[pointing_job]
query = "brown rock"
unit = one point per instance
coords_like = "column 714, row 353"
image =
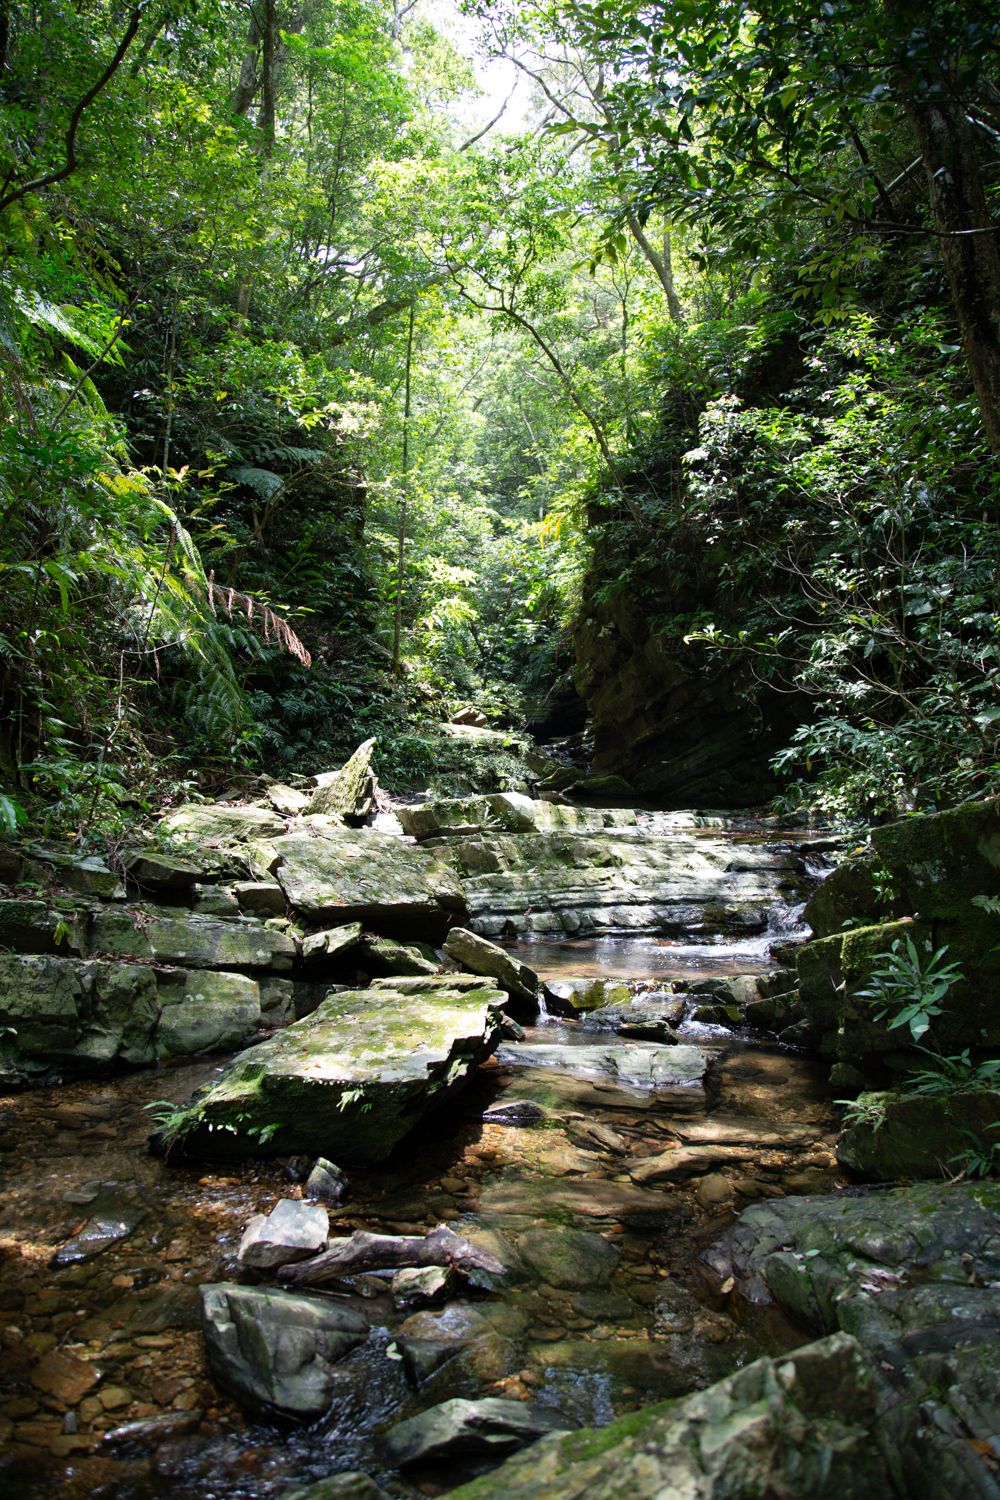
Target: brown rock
column 64, row 1377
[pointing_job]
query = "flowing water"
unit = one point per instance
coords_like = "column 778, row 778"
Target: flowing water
column 629, row 1322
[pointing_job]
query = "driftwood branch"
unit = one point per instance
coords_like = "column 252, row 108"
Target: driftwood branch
column 363, row 1251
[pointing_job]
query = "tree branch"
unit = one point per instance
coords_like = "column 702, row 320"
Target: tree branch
column 71, row 163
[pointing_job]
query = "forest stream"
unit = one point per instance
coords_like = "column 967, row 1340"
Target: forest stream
column 605, row 1309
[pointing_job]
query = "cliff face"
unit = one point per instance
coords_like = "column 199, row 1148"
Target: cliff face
column 682, row 730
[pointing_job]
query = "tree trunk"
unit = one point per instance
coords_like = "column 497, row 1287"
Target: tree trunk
column 969, row 241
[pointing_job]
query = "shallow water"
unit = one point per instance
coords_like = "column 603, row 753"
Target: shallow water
column 588, row 1353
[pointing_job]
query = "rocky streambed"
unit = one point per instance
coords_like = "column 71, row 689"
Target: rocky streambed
column 592, row 1157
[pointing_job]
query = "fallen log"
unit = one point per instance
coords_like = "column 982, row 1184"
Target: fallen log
column 363, row 1251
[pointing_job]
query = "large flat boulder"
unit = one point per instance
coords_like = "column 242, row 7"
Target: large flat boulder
column 349, row 1081
column 589, row 884
column 276, row 1351
column 345, row 875
column 187, row 939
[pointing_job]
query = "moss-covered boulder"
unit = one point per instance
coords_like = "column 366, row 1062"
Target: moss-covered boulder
column 933, row 878
column 70, row 1017
column 349, row 1081
column 800, row 1425
column 350, row 792
column 346, row 875
column 899, row 1135
column 914, row 1274
column 185, row 938
column 205, row 1011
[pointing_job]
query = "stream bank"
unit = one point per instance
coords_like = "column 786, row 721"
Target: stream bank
column 599, row 1199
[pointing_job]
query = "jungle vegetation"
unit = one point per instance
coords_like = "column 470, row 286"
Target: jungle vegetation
column 334, row 391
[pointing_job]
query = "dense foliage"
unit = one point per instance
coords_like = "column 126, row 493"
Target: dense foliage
column 328, row 396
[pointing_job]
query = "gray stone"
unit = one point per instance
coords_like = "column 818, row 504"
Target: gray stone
column 348, row 875
column 483, row 957
column 592, row 884
column 277, row 1000
column 154, row 870
column 214, row 901
column 467, row 1429
column 571, row 1258
column 352, row 1486
column 326, row 1183
column 291, row 1231
column 384, row 956
column 350, row 792
column 260, row 898
column 113, row 1216
column 32, row 926
column 919, row 1135
column 317, row 947
column 352, row 1079
column 675, row 1074
column 418, row 984
column 276, row 1351
column 190, row 940
column 74, row 1016
column 800, row 1424
column 221, row 826
column 914, row 1274
column 206, row 1011
column 508, row 812
column 423, row 1286
column 286, row 800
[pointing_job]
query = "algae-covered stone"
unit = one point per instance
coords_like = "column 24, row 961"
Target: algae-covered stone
column 483, row 957
column 572, row 1258
column 914, row 1274
column 318, row 947
column 802, row 1424
column 350, row 792
column 919, row 1135
column 221, row 825
column 156, row 870
column 260, row 898
column 942, row 868
column 384, row 956
column 32, row 926
column 572, row 997
column 276, row 1351
column 349, row 1081
column 73, row 1016
column 203, row 942
column 206, row 1011
column 461, row 1428
column 350, row 875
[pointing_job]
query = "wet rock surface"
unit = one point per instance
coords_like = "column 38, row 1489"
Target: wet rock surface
column 594, row 1308
column 914, row 1274
column 276, row 1350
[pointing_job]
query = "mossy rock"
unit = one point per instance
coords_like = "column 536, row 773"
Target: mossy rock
column 917, row 1135
column 348, row 1082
